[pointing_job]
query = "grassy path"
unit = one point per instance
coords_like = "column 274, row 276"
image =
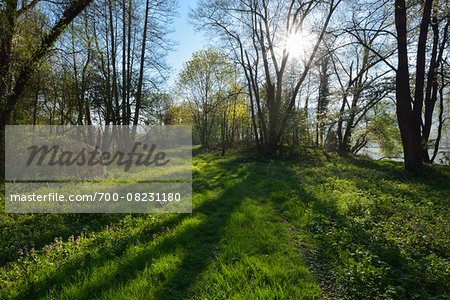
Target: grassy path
column 260, row 229
column 233, row 245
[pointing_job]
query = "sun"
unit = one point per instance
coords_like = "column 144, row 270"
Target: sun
column 299, row 44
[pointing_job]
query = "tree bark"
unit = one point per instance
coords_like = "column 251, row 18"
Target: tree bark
column 8, row 100
column 432, row 85
column 141, row 69
column 39, row 54
column 409, row 117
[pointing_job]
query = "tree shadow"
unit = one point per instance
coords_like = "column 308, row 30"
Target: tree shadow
column 435, row 176
column 388, row 178
column 197, row 242
column 335, row 237
column 327, row 234
column 26, row 231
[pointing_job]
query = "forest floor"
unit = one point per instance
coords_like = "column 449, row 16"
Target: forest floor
column 314, row 225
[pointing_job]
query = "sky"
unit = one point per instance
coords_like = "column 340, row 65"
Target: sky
column 188, row 41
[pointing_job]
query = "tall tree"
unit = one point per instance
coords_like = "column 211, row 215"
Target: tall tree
column 141, row 68
column 12, row 86
column 409, row 106
column 10, row 94
column 323, row 98
column 256, row 31
column 416, row 86
column 205, row 83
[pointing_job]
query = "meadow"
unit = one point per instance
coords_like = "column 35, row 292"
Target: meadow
column 303, row 226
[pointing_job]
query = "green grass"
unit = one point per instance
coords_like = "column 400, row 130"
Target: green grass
column 311, row 226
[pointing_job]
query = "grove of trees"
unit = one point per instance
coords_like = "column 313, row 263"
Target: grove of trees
column 338, row 74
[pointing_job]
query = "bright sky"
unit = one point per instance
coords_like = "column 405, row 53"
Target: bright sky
column 188, row 40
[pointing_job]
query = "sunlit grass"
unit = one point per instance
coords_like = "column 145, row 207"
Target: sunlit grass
column 300, row 227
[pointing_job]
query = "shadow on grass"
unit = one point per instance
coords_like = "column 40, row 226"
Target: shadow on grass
column 41, row 229
column 335, row 237
column 20, row 231
column 436, row 176
column 344, row 255
column 197, row 242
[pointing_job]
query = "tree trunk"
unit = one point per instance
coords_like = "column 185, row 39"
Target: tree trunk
column 141, row 69
column 441, row 119
column 432, row 85
column 115, row 92
column 408, row 120
column 38, row 55
column 9, row 100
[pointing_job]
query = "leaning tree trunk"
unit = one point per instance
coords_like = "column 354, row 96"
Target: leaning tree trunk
column 8, row 100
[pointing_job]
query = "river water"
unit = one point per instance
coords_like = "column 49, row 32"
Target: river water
column 375, row 153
